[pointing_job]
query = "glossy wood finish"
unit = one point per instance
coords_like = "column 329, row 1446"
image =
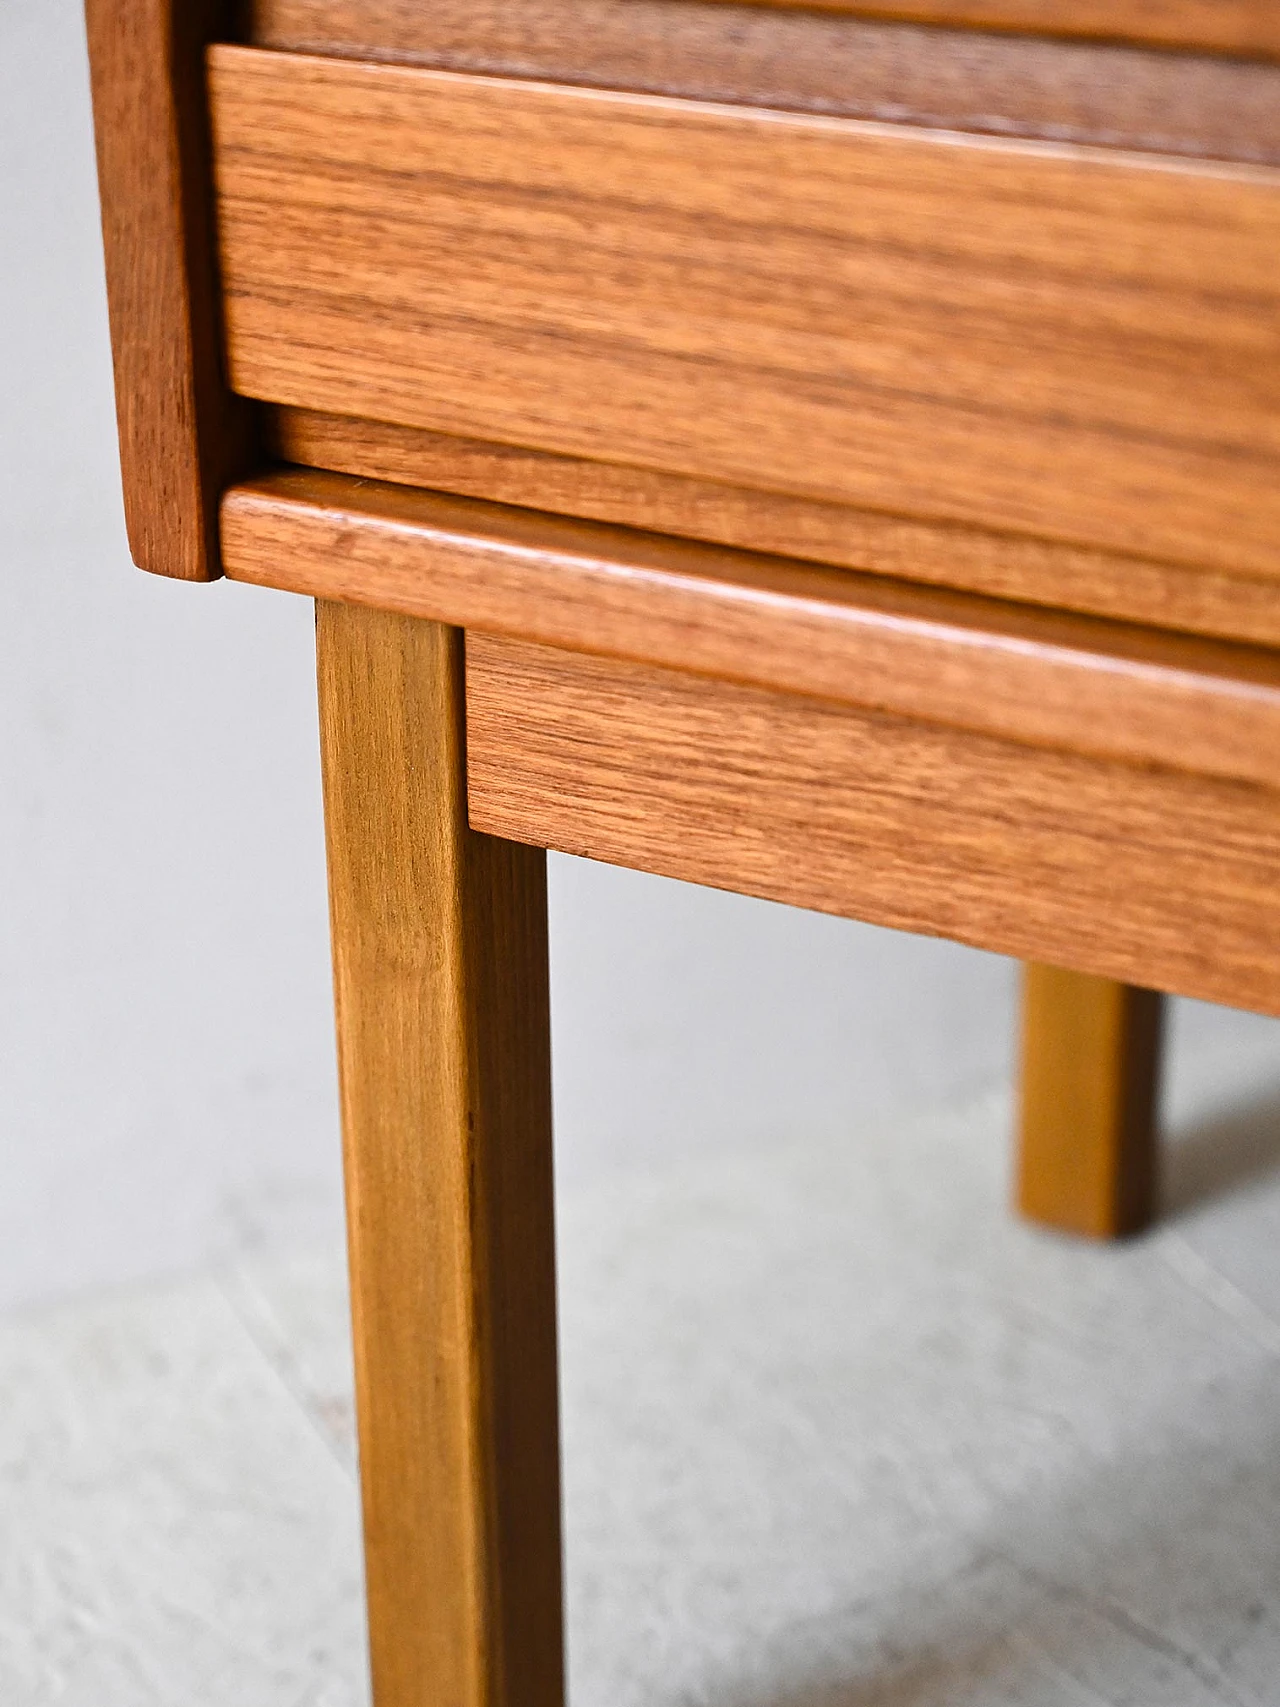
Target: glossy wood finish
column 809, row 61
column 971, row 331
column 1135, row 874
column 183, row 435
column 1088, row 1153
column 440, row 971
column 1036, row 676
column 1004, row 566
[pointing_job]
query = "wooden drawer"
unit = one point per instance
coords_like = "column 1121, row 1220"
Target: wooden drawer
column 1063, row 350
column 1229, row 26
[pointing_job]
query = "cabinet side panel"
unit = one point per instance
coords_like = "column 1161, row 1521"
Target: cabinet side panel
column 183, row 435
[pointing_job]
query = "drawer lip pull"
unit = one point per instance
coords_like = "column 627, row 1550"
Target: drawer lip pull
column 857, row 61
column 1019, row 673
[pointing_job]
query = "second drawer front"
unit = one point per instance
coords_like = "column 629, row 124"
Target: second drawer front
column 1074, row 345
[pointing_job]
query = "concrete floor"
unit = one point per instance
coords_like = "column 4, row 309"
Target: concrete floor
column 838, row 1433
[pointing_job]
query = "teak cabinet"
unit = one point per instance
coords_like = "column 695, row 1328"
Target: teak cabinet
column 827, row 451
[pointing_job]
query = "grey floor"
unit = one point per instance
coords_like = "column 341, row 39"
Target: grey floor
column 838, row 1432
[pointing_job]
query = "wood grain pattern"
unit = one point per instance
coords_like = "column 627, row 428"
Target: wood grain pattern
column 183, row 435
column 810, row 61
column 1088, row 1153
column 1036, row 676
column 1069, row 344
column 1146, row 876
column 440, row 973
column 1232, row 26
column 1003, row 566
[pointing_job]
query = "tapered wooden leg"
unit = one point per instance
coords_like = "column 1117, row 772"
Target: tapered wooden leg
column 440, row 967
column 1088, row 1156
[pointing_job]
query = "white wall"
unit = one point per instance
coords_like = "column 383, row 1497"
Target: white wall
column 166, row 1073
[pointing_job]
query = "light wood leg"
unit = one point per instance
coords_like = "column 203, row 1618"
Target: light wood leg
column 440, row 970
column 1088, row 1153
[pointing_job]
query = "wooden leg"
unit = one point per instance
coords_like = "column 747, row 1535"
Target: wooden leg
column 440, row 970
column 1088, row 1158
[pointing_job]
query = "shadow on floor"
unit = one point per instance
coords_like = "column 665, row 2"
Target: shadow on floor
column 1150, row 1574
column 1222, row 1155
column 1152, row 1578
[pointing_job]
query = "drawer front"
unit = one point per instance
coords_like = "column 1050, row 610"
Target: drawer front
column 1072, row 345
column 1230, row 26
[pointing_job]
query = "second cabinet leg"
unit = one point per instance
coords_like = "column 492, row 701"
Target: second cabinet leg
column 440, row 970
column 1088, row 1144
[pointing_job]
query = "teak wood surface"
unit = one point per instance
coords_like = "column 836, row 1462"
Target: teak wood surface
column 183, row 435
column 1230, row 26
column 1235, row 26
column 810, row 61
column 1004, row 566
column 1036, row 676
column 1076, row 344
column 440, row 975
column 1146, row 876
column 1088, row 1155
